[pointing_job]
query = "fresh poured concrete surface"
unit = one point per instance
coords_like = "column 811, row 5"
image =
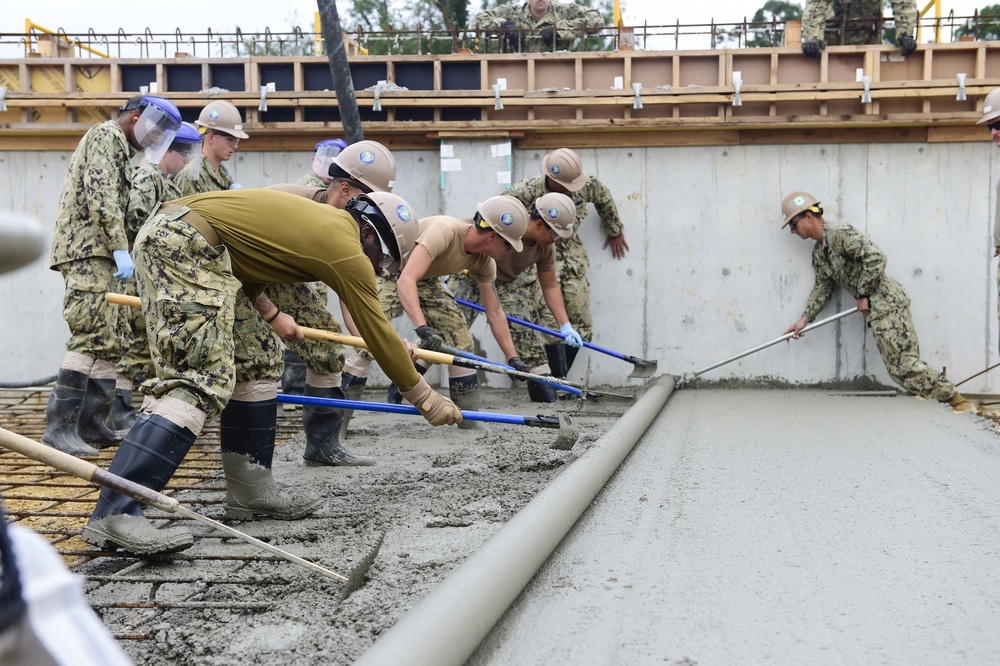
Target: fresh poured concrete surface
column 785, row 527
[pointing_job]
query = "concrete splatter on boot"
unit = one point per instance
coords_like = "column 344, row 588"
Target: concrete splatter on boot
column 353, row 387
column 323, row 427
column 95, row 425
column 62, row 414
column 464, row 392
column 246, row 434
column 136, row 535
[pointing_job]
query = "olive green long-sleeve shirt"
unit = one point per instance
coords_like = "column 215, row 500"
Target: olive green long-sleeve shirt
column 277, row 238
column 94, row 199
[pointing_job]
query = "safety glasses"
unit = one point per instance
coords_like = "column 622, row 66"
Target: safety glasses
column 993, row 126
column 387, row 263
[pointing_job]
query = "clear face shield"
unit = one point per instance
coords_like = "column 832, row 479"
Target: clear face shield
column 155, row 131
column 323, row 159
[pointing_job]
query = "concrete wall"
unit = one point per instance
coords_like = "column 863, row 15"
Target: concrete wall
column 709, row 274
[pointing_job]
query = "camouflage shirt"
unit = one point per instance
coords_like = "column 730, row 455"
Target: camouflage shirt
column 848, row 258
column 828, row 16
column 568, row 18
column 312, row 180
column 91, row 220
column 149, row 186
column 199, row 176
column 527, row 191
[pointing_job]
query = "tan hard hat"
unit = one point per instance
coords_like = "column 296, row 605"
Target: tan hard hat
column 507, row 216
column 557, row 211
column 400, row 217
column 795, row 203
column 564, row 166
column 222, row 116
column 991, row 107
column 370, row 163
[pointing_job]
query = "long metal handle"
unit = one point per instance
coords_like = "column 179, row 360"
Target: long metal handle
column 786, row 336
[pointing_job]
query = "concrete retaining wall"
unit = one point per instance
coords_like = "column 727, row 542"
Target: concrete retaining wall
column 709, row 274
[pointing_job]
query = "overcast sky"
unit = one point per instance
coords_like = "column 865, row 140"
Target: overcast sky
column 107, row 16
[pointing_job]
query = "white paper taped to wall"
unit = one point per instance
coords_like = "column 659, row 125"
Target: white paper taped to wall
column 500, row 149
column 454, row 164
column 447, row 150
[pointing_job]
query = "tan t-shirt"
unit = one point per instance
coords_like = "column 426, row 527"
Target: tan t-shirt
column 513, row 264
column 444, row 239
column 276, row 238
column 317, row 194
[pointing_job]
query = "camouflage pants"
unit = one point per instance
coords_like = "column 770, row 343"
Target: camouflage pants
column 136, row 360
column 576, row 294
column 440, row 311
column 97, row 328
column 518, row 298
column 203, row 332
column 307, row 304
column 896, row 339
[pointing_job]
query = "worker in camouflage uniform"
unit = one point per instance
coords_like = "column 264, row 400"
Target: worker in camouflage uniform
column 90, row 249
column 151, row 184
column 844, row 256
column 221, row 127
column 840, row 22
column 361, row 168
column 538, row 25
column 319, row 174
column 194, row 259
column 562, row 171
column 520, row 290
column 446, row 246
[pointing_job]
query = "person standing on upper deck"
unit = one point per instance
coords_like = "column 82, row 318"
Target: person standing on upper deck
column 840, row 22
column 538, row 25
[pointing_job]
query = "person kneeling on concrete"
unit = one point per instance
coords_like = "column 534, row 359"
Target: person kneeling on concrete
column 194, row 259
column 553, row 216
column 846, row 257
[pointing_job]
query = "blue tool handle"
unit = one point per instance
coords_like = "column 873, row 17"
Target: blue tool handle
column 483, row 359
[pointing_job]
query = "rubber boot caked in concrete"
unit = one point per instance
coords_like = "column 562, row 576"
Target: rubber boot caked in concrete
column 62, row 414
column 251, row 491
column 136, row 535
column 323, row 427
column 353, row 387
column 464, row 392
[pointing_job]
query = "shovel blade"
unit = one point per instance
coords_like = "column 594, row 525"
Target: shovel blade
column 641, row 368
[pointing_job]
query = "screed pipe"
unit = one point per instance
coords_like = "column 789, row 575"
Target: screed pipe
column 447, row 625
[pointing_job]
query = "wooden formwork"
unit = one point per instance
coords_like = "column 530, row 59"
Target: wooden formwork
column 650, row 93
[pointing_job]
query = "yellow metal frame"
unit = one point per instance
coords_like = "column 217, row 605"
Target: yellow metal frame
column 936, row 4
column 29, row 25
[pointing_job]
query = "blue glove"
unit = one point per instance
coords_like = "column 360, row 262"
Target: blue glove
column 236, row 186
column 573, row 338
column 124, row 264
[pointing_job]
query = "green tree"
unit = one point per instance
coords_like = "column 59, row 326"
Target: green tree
column 765, row 29
column 985, row 25
column 299, row 40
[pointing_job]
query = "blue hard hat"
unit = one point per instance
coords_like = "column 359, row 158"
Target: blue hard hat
column 164, row 105
column 332, row 143
column 188, row 133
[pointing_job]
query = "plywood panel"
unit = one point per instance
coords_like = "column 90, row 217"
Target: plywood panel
column 600, row 74
column 556, row 74
column 651, row 72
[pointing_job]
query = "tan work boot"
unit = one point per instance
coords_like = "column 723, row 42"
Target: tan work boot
column 960, row 404
column 252, row 490
column 136, row 535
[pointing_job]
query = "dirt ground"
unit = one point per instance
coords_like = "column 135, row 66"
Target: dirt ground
column 436, row 495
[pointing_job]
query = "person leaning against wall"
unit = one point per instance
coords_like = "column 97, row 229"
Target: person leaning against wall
column 843, row 256
column 840, row 22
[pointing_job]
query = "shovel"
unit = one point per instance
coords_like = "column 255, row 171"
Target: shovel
column 641, row 367
column 94, row 474
column 816, row 324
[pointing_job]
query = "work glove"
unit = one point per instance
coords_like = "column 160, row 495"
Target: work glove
column 429, row 339
column 437, row 409
column 906, row 44
column 124, row 264
column 519, row 365
column 548, row 35
column 512, row 35
column 572, row 338
column 811, row 48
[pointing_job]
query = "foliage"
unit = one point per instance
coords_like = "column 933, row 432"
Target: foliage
column 985, row 27
column 765, row 29
column 298, row 40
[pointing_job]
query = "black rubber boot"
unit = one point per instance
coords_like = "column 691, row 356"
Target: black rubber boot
column 122, row 416
column 149, row 456
column 571, row 353
column 539, row 392
column 293, row 377
column 352, row 387
column 393, row 396
column 62, row 414
column 557, row 360
column 322, row 426
column 246, row 435
column 95, row 426
column 464, row 392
